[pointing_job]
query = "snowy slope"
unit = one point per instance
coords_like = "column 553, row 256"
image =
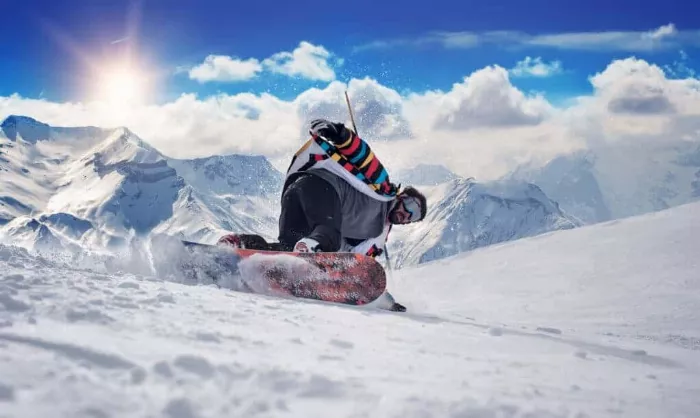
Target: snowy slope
column 464, row 215
column 621, row 179
column 596, row 321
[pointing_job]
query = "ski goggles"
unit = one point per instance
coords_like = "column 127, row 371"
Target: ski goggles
column 412, row 206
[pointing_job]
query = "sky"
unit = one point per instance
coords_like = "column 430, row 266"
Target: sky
column 247, row 76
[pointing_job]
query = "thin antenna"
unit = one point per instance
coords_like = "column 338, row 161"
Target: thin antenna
column 352, row 117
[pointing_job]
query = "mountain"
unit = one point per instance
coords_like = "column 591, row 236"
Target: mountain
column 225, row 193
column 424, row 175
column 598, row 321
column 464, row 215
column 618, row 180
column 27, row 129
column 102, row 187
column 31, row 158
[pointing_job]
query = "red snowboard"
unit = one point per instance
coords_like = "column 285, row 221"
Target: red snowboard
column 348, row 278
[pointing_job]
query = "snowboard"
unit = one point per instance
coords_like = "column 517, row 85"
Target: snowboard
column 347, row 278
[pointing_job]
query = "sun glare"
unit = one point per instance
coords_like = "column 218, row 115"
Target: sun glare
column 122, row 87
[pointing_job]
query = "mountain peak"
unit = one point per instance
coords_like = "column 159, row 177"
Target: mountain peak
column 466, row 214
column 27, row 128
column 14, row 119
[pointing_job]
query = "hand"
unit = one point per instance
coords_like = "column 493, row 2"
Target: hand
column 234, row 240
column 248, row 241
column 335, row 133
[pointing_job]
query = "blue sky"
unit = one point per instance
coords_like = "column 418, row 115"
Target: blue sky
column 52, row 50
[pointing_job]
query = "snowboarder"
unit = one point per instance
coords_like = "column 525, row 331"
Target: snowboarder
column 337, row 196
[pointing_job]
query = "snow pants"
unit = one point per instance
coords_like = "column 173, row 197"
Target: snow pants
column 311, row 208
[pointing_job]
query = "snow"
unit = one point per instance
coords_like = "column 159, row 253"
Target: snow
column 113, row 185
column 600, row 321
column 464, row 215
column 620, row 179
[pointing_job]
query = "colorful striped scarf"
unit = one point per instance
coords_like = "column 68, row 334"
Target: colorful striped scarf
column 358, row 158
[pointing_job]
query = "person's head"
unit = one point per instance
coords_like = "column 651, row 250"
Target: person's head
column 409, row 206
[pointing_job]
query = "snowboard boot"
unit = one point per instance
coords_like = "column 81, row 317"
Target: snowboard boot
column 388, row 303
column 397, row 307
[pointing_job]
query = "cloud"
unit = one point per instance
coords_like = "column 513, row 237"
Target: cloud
column 377, row 109
column 662, row 32
column 224, row 68
column 630, row 41
column 486, row 98
column 307, row 61
column 446, row 39
column 635, row 101
column 663, row 38
column 482, row 127
column 633, row 86
column 186, row 127
column 535, row 67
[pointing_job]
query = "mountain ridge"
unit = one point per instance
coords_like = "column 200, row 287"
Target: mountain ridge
column 104, row 190
column 619, row 180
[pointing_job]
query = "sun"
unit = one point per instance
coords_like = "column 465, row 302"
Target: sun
column 122, row 87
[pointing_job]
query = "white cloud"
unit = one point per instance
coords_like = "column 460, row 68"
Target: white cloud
column 377, row 109
column 535, row 67
column 486, row 98
column 186, row 127
column 482, row 127
column 224, row 68
column 662, row 38
column 307, row 60
column 455, row 39
column 662, row 31
column 635, row 101
column 633, row 86
column 631, row 41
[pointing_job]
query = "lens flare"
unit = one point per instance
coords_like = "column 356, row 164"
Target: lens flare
column 122, row 87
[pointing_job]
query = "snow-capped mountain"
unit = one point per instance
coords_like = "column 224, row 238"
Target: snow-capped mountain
column 225, row 193
column 32, row 155
column 425, row 175
column 70, row 187
column 464, row 215
column 620, row 180
column 101, row 187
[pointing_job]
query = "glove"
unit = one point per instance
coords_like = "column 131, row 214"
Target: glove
column 249, row 241
column 307, row 245
column 335, row 133
column 234, row 240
